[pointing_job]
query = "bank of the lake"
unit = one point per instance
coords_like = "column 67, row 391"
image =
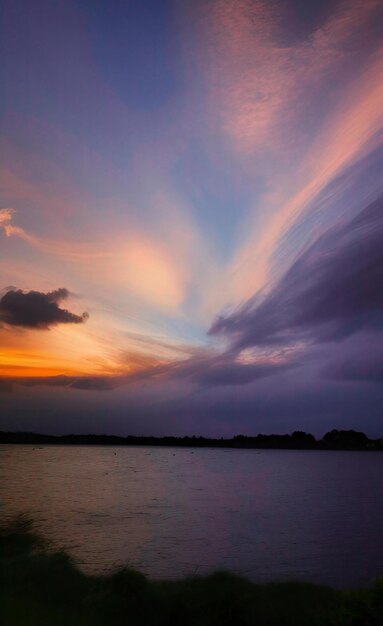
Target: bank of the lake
column 39, row 587
column 298, row 440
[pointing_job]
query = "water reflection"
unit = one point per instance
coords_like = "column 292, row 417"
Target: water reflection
column 271, row 514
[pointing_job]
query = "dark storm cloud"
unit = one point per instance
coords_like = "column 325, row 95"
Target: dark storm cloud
column 331, row 292
column 34, row 309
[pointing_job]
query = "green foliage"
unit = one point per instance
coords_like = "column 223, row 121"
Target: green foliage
column 42, row 588
column 17, row 537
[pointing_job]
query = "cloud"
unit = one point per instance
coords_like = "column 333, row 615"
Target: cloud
column 154, row 270
column 258, row 80
column 93, row 383
column 361, row 359
column 209, row 369
column 34, row 309
column 224, row 372
column 5, row 216
column 331, row 292
column 204, row 370
column 347, row 131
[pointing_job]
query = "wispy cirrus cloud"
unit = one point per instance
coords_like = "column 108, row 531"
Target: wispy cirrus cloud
column 352, row 132
column 297, row 111
column 260, row 81
column 330, row 293
column 207, row 371
column 136, row 262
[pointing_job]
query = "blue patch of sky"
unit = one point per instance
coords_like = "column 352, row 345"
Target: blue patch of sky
column 61, row 56
column 218, row 191
column 135, row 47
column 183, row 328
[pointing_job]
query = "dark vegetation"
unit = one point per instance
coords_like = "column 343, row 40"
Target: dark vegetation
column 299, row 440
column 43, row 588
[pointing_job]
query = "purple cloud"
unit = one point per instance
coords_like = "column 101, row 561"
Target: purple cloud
column 331, row 292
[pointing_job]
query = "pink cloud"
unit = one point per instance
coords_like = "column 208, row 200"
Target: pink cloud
column 342, row 141
column 256, row 81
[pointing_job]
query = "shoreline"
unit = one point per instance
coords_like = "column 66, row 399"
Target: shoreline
column 334, row 440
column 39, row 586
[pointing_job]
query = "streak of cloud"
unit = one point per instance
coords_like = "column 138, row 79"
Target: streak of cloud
column 258, row 80
column 331, row 292
column 344, row 140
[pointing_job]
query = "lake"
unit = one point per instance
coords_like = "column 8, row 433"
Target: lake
column 173, row 512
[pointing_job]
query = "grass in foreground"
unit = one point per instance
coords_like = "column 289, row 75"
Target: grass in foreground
column 40, row 588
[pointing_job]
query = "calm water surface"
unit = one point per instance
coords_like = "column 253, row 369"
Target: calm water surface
column 270, row 514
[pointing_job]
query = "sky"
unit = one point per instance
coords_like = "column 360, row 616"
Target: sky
column 191, row 216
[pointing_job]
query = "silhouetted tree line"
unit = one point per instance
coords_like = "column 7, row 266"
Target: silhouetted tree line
column 299, row 440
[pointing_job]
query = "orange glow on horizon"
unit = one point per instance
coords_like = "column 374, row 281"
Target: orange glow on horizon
column 31, row 363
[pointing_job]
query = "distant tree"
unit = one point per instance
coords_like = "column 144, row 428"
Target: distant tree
column 346, row 438
column 300, row 435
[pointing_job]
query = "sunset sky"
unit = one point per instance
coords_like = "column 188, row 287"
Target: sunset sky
column 191, row 216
